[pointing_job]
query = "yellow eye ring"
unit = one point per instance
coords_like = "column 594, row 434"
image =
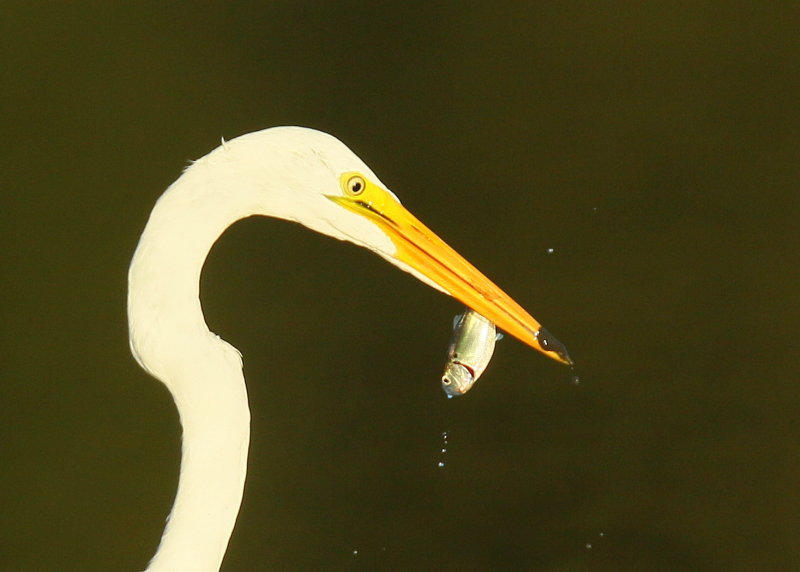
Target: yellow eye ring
column 355, row 185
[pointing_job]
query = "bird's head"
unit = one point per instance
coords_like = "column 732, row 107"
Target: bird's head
column 320, row 183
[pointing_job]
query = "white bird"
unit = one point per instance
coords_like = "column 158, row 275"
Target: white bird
column 291, row 173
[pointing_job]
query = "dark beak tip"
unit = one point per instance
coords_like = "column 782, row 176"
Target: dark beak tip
column 549, row 343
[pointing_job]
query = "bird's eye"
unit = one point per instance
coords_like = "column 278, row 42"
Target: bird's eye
column 355, row 185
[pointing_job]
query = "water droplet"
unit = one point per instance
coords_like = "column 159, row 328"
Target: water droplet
column 576, row 380
column 602, row 534
column 355, row 551
column 588, row 546
column 444, row 448
column 551, row 250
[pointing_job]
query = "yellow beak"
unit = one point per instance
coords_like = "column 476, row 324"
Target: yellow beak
column 419, row 248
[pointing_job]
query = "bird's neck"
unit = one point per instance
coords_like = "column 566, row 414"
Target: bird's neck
column 170, row 339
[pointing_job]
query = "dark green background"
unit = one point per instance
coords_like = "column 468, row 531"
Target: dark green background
column 653, row 146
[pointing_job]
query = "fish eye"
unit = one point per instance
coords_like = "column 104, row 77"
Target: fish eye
column 355, row 185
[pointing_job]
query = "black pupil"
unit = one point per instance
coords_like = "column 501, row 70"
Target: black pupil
column 356, row 186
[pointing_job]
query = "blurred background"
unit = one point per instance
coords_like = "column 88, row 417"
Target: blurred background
column 627, row 171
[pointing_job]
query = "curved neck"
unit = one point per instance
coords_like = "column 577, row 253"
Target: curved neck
column 170, row 339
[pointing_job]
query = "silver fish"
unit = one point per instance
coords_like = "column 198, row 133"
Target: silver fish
column 470, row 350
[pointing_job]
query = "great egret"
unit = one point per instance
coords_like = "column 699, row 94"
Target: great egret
column 292, row 173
